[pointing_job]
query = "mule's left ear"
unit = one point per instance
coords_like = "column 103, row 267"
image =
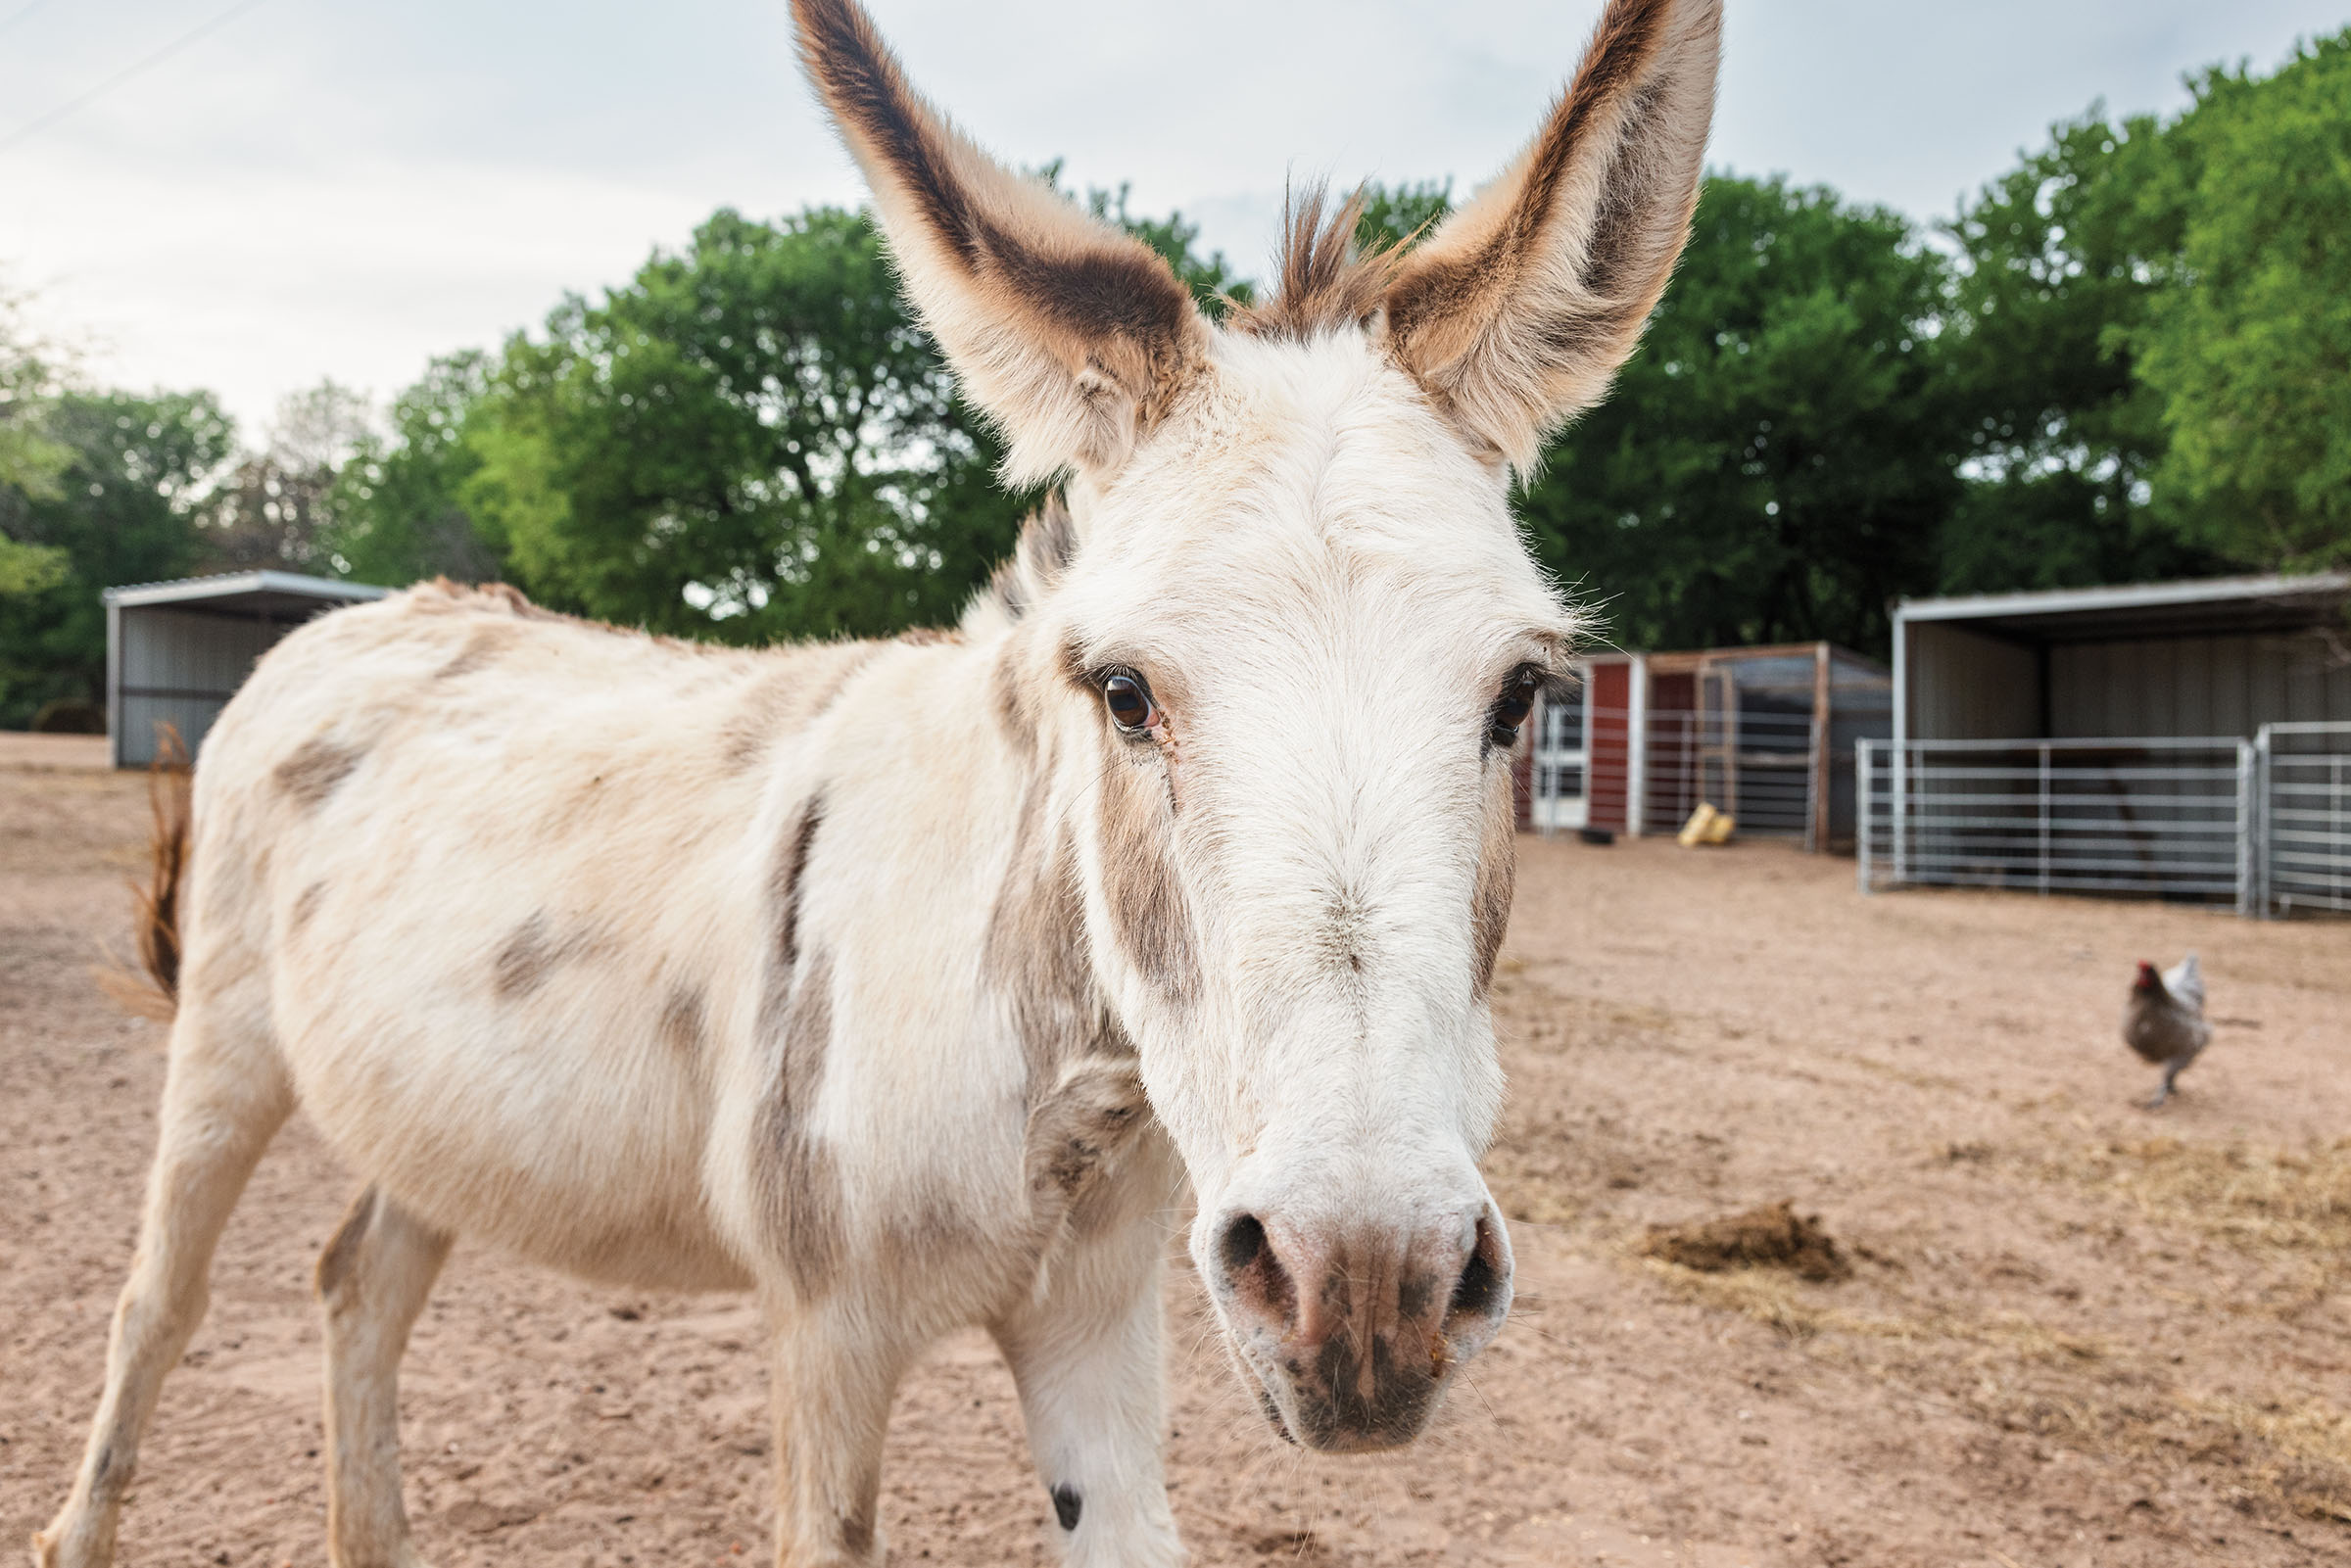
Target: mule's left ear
column 1073, row 334
column 1515, row 313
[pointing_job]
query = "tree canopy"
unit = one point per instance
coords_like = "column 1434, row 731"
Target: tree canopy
column 2248, row 347
column 1775, row 460
column 2127, row 358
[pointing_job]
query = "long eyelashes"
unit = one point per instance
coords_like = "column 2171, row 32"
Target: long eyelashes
column 1510, row 710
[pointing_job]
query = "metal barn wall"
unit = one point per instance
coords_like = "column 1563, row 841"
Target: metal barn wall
column 2192, row 685
column 1965, row 686
column 181, row 667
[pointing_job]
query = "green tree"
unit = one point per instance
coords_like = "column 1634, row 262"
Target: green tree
column 122, row 511
column 31, row 462
column 272, row 508
column 2061, row 263
column 752, row 438
column 1777, row 458
column 397, row 512
column 2249, row 345
column 1393, row 215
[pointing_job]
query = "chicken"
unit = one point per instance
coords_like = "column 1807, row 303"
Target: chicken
column 2164, row 1022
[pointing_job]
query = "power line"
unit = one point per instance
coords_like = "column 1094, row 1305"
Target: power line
column 126, row 73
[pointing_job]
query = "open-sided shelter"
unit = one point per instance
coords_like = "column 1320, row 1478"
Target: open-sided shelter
column 176, row 652
column 2182, row 739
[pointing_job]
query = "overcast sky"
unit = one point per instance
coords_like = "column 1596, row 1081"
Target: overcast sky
column 343, row 187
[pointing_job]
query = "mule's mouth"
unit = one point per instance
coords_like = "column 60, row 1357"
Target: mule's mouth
column 1318, row 1413
column 1270, row 1406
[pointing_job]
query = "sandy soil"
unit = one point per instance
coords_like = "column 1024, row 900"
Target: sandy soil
column 2077, row 1333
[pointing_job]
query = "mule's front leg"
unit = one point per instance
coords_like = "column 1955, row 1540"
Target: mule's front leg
column 832, row 1387
column 373, row 1279
column 1089, row 1361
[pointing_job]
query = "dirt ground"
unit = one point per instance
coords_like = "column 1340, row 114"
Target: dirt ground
column 2074, row 1333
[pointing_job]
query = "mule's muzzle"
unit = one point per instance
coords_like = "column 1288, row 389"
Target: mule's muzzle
column 1352, row 1339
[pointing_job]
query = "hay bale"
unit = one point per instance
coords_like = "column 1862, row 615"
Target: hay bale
column 1774, row 1236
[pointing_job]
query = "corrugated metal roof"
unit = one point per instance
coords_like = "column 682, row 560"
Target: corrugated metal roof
column 2208, row 605
column 241, row 585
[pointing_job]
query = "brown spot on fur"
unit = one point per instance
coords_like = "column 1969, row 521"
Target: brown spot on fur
column 483, row 645
column 1497, row 882
column 1069, row 659
column 685, row 1020
column 305, row 908
column 1147, row 905
column 799, row 1182
column 858, row 1528
column 1327, row 284
column 1009, row 697
column 342, row 1253
column 315, row 767
column 532, row 952
column 1034, row 955
column 792, row 867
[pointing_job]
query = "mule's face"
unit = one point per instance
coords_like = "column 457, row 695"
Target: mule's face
column 1290, row 647
column 1303, row 631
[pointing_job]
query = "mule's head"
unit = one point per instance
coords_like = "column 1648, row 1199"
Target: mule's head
column 1290, row 637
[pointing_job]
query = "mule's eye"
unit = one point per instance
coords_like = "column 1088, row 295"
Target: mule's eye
column 1512, row 708
column 1129, row 702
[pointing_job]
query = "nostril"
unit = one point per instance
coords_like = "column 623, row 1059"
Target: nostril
column 1244, row 1239
column 1478, row 1291
column 1253, row 1272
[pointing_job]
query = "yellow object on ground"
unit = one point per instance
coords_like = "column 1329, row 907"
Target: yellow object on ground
column 1706, row 825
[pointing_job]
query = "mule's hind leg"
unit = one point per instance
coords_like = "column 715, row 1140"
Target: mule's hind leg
column 224, row 1098
column 372, row 1279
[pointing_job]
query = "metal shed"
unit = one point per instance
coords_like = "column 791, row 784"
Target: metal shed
column 176, row 652
column 1762, row 733
column 2177, row 740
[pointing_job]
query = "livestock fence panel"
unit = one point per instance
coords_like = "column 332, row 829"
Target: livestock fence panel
column 2304, row 790
column 1760, row 766
column 2160, row 817
column 1757, row 765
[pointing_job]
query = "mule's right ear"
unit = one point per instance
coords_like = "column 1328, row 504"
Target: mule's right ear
column 1071, row 334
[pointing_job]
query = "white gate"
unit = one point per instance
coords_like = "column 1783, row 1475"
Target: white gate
column 2305, row 856
column 2265, row 823
column 1562, row 777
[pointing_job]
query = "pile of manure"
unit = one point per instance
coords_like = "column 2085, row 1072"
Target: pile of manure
column 1774, row 1236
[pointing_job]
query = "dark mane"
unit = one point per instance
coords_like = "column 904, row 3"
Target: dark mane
column 1327, row 284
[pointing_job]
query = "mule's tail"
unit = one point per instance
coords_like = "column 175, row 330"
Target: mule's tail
column 156, row 993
